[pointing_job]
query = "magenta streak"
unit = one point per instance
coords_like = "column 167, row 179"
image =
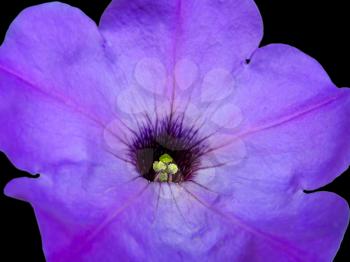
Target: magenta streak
column 54, row 96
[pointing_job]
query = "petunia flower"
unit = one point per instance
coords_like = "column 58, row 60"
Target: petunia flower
column 166, row 134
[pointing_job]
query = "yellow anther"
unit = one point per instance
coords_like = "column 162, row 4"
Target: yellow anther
column 172, row 169
column 159, row 166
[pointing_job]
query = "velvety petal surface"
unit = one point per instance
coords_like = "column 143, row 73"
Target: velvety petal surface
column 56, row 97
column 57, row 89
column 292, row 135
column 295, row 122
column 281, row 130
column 184, row 223
column 165, row 47
column 73, row 203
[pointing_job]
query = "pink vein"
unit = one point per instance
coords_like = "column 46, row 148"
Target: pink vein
column 117, row 212
column 73, row 251
column 291, row 117
column 280, row 121
column 174, row 50
column 279, row 243
column 55, row 96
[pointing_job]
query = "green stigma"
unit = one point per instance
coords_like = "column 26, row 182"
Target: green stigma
column 165, row 168
column 165, row 158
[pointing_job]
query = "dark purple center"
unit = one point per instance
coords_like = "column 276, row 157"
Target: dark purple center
column 167, row 136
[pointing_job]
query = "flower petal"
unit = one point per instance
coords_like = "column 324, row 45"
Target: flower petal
column 186, row 224
column 152, row 40
column 295, row 122
column 92, row 209
column 290, row 227
column 56, row 88
column 74, row 204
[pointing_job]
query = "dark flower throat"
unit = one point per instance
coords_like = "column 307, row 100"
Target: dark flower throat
column 167, row 136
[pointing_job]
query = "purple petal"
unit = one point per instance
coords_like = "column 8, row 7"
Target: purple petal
column 274, row 222
column 294, row 121
column 58, row 91
column 298, row 227
column 57, row 88
column 256, row 224
column 158, row 44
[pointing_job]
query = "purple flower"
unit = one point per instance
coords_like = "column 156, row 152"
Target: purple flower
column 167, row 134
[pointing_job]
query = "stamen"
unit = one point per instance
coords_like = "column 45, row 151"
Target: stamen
column 159, row 166
column 165, row 168
column 172, row 169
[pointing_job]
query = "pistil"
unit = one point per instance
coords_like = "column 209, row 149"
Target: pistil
column 165, row 168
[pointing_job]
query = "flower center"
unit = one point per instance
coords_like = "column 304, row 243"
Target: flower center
column 166, row 151
column 165, row 169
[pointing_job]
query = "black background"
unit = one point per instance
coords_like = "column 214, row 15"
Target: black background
column 320, row 28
